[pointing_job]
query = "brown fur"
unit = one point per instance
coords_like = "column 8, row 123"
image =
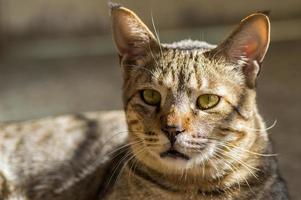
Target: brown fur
column 227, row 150
column 172, row 150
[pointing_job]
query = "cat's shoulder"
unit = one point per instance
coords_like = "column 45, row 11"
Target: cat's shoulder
column 57, row 153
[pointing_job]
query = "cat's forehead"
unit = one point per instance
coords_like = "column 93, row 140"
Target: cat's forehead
column 183, row 67
column 190, row 70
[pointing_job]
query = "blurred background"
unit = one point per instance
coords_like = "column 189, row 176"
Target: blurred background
column 57, row 57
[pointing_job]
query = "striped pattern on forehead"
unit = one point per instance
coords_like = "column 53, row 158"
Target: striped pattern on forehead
column 181, row 71
column 180, row 68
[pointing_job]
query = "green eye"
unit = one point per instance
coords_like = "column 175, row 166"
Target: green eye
column 207, row 101
column 151, row 97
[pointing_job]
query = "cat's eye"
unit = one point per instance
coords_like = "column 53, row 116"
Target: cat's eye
column 151, row 97
column 207, row 101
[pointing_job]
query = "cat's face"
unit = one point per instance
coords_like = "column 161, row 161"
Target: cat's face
column 188, row 108
column 179, row 107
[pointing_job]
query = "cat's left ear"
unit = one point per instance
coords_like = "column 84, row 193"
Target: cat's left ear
column 247, row 45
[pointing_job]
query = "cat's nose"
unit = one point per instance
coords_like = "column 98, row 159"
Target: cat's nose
column 171, row 132
column 171, row 125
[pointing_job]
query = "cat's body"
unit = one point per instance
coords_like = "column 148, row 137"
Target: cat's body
column 61, row 158
column 192, row 129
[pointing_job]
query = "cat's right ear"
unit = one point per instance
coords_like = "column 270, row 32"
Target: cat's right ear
column 132, row 37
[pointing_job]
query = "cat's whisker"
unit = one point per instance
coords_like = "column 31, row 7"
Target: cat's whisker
column 123, row 147
column 141, row 150
column 240, row 148
column 136, row 160
column 157, row 34
column 252, row 129
column 116, row 168
column 264, row 129
column 234, row 167
column 251, row 152
column 242, row 163
column 228, row 145
column 234, row 158
column 133, row 167
column 137, row 67
column 132, row 156
column 215, row 168
column 153, row 56
column 117, row 134
column 125, row 157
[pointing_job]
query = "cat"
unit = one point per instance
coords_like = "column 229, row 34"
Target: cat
column 190, row 127
column 194, row 128
column 58, row 158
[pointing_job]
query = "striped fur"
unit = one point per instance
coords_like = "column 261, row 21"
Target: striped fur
column 223, row 153
column 227, row 150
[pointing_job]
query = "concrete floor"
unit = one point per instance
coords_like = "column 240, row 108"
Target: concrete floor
column 37, row 88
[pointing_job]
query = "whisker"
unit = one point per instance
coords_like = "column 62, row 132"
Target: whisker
column 156, row 33
column 135, row 161
column 265, row 129
column 244, row 178
column 133, row 168
column 248, row 151
column 153, row 56
column 144, row 68
column 231, row 167
column 128, row 153
column 250, row 128
column 123, row 147
column 131, row 156
column 234, row 158
column 240, row 148
column 247, row 167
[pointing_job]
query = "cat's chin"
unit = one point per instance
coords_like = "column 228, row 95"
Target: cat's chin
column 174, row 154
column 179, row 160
column 175, row 160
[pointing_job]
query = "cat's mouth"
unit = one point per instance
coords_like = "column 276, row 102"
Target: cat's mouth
column 172, row 153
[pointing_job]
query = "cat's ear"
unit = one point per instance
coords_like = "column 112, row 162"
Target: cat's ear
column 247, row 45
column 132, row 37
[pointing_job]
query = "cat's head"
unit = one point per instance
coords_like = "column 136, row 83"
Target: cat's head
column 190, row 104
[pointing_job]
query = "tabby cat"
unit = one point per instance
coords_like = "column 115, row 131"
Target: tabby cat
column 191, row 128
